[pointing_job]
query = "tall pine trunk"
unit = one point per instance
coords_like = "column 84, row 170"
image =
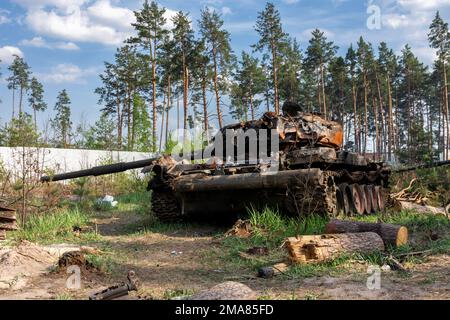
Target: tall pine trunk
column 447, row 135
column 216, row 88
column 205, row 104
column 169, row 105
column 366, row 120
column 275, row 79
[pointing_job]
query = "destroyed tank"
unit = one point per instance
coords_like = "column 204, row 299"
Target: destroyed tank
column 303, row 170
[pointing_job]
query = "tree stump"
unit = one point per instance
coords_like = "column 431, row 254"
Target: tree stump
column 392, row 235
column 307, row 249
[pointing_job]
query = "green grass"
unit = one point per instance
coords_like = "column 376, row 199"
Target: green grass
column 271, row 229
column 139, row 202
column 55, row 227
column 104, row 263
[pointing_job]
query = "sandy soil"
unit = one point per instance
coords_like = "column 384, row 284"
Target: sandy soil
column 182, row 261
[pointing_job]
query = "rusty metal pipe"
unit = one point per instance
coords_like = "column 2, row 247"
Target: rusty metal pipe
column 281, row 180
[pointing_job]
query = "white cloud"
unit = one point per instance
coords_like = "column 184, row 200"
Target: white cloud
column 226, row 10
column 290, row 1
column 99, row 21
column 79, row 20
column 411, row 20
column 7, row 53
column 104, row 13
column 39, row 42
column 67, row 73
column 423, row 4
column 60, row 4
column 4, row 16
column 74, row 26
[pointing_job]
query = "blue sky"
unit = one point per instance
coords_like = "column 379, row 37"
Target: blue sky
column 66, row 41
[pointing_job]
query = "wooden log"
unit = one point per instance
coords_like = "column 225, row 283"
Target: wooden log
column 7, row 214
column 2, row 235
column 307, row 249
column 404, row 205
column 9, row 217
column 392, row 235
column 9, row 226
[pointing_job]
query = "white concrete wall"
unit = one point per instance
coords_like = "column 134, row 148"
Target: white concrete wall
column 64, row 160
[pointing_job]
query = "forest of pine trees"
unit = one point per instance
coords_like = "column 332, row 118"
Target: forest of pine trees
column 391, row 105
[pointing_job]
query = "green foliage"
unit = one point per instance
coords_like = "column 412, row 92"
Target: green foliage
column 101, row 135
column 104, row 263
column 54, row 227
column 20, row 132
column 141, row 125
column 36, row 96
column 61, row 124
column 81, row 187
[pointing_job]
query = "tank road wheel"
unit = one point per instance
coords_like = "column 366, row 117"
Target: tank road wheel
column 165, row 206
column 368, row 195
column 346, row 196
column 380, row 198
column 357, row 199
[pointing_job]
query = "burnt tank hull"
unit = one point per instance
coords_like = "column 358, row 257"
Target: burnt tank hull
column 314, row 176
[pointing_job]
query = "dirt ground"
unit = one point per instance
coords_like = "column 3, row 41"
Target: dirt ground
column 182, row 262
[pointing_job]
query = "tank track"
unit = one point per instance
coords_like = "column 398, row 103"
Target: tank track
column 334, row 199
column 165, row 206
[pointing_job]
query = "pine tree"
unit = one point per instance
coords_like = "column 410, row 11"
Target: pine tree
column 439, row 38
column 150, row 22
column 365, row 61
column 250, row 83
column 36, row 98
column 112, row 96
column 351, row 61
column 62, row 124
column 183, row 38
column 217, row 41
column 273, row 39
column 389, row 68
column 290, row 72
column 19, row 79
column 319, row 54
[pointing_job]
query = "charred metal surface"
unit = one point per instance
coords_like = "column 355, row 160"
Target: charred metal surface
column 118, row 291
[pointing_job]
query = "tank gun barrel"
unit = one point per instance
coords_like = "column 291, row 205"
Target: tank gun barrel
column 100, row 170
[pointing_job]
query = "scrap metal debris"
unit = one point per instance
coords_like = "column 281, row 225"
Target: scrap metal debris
column 118, row 291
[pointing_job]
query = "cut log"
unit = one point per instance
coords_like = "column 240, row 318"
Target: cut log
column 7, row 214
column 392, row 235
column 307, row 249
column 9, row 226
column 5, row 219
column 404, row 205
column 269, row 272
column 2, row 235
